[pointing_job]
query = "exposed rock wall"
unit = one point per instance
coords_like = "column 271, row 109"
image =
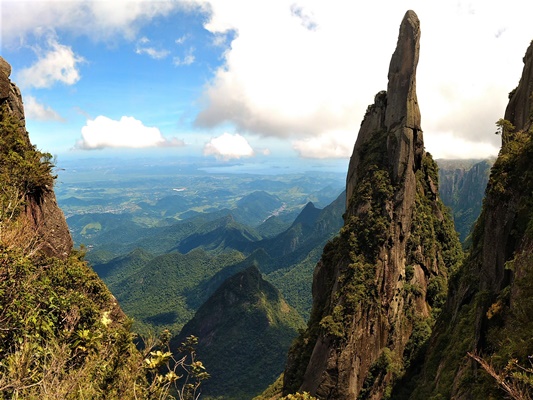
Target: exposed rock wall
column 487, row 313
column 462, row 188
column 520, row 107
column 375, row 288
column 41, row 209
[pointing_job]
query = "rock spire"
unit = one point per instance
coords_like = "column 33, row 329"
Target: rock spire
column 373, row 289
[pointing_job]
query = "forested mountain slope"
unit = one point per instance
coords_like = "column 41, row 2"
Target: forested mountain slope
column 62, row 333
column 245, row 329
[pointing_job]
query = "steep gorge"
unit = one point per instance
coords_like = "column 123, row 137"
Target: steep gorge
column 380, row 283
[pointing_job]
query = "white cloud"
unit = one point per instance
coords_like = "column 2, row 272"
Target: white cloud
column 40, row 112
column 181, row 39
column 156, row 54
column 127, row 132
column 99, row 20
column 309, row 68
column 55, row 63
column 327, row 145
column 228, row 146
column 452, row 147
column 187, row 59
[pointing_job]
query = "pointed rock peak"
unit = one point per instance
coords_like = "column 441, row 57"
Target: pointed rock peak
column 308, row 215
column 394, row 118
column 402, row 105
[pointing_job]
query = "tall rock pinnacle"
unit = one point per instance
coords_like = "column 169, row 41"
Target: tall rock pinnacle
column 381, row 281
column 395, row 111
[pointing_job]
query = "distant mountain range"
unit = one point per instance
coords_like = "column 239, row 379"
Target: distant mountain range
column 163, row 291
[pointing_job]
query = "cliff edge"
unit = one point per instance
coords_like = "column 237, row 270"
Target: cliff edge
column 40, row 206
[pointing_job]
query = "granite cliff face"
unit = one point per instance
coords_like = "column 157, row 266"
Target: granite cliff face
column 489, row 312
column 383, row 279
column 41, row 209
column 462, row 188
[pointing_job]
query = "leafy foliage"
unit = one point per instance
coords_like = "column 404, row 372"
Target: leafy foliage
column 248, row 322
column 62, row 334
column 60, row 331
column 24, row 170
column 164, row 369
column 491, row 321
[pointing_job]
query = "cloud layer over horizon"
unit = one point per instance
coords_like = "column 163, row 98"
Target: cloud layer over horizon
column 301, row 72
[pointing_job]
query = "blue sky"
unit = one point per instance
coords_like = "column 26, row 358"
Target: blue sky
column 254, row 79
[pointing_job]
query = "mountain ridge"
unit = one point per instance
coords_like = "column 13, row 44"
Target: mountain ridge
column 244, row 318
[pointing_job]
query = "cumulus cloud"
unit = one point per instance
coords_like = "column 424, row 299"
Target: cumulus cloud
column 315, row 70
column 40, row 112
column 99, row 20
column 55, row 63
column 327, row 145
column 143, row 47
column 228, row 146
column 128, row 132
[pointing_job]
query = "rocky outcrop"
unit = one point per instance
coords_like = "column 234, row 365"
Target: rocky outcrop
column 520, row 107
column 41, row 208
column 395, row 111
column 381, row 281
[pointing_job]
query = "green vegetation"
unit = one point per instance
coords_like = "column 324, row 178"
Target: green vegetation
column 504, row 127
column 432, row 248
column 174, row 285
column 164, row 292
column 62, row 334
column 490, row 317
column 384, row 365
column 247, row 322
column 24, row 171
column 61, row 331
column 462, row 188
